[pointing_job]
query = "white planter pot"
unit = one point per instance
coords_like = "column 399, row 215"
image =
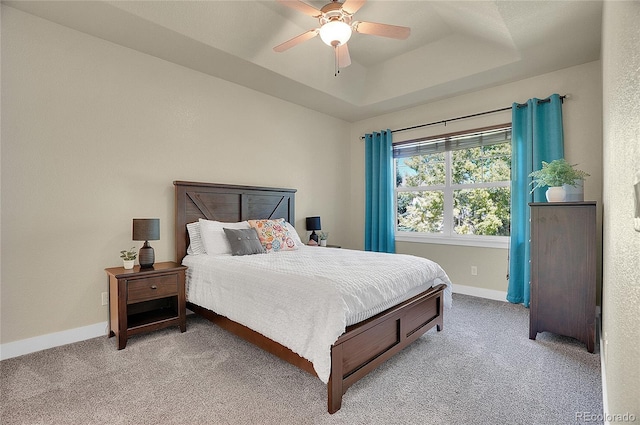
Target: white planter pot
column 574, row 193
column 128, row 264
column 556, row 194
column 323, row 242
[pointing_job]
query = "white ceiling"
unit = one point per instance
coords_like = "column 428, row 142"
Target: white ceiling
column 455, row 46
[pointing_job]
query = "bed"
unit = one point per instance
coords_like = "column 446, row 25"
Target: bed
column 355, row 352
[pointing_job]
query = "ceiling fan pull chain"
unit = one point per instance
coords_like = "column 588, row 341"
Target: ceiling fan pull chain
column 336, row 61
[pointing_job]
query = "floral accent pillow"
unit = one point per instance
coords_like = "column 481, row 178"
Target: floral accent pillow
column 274, row 235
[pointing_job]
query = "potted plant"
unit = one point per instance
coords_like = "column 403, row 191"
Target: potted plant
column 557, row 174
column 128, row 257
column 323, row 238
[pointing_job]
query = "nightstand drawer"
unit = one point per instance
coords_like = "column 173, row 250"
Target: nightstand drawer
column 150, row 288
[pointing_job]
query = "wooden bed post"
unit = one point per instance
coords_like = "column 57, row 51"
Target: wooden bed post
column 440, row 319
column 334, row 387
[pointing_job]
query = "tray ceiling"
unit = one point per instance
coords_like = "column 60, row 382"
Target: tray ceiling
column 455, row 47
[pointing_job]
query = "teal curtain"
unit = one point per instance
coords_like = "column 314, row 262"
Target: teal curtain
column 536, row 136
column 379, row 193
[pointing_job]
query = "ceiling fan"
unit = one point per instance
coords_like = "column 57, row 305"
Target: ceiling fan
column 336, row 27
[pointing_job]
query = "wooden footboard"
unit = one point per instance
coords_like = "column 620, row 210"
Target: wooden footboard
column 368, row 344
column 363, row 346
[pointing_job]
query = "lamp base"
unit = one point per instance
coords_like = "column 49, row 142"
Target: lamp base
column 146, row 255
column 313, row 236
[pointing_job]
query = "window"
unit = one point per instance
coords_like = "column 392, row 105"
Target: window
column 455, row 188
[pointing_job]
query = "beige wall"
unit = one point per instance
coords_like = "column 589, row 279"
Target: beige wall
column 582, row 115
column 491, row 264
column 621, row 250
column 94, row 134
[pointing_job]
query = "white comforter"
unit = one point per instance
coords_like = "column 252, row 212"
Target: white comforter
column 304, row 299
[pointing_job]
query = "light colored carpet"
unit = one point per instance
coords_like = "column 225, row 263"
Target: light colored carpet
column 481, row 369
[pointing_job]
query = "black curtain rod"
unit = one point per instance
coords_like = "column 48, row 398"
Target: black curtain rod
column 520, row 105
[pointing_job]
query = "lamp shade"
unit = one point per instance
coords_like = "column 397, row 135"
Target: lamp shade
column 335, row 33
column 146, row 229
column 313, row 223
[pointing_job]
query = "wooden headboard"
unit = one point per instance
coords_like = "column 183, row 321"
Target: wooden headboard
column 228, row 203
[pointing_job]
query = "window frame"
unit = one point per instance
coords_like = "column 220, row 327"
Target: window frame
column 449, row 237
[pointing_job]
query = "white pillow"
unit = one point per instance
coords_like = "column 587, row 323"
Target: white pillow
column 213, row 237
column 195, row 239
column 294, row 235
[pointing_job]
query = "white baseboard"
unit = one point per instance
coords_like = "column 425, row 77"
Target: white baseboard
column 38, row 343
column 603, row 370
column 56, row 339
column 491, row 294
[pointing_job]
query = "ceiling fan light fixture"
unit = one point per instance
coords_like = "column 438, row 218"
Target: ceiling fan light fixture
column 335, row 33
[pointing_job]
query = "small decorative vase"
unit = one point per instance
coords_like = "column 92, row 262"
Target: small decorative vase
column 323, row 242
column 556, row 194
column 128, row 264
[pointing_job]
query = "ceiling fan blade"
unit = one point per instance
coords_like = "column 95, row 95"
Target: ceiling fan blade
column 352, row 6
column 383, row 30
column 343, row 58
column 296, row 40
column 301, row 7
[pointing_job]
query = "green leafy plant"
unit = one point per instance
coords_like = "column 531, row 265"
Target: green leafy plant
column 556, row 173
column 323, row 236
column 128, row 255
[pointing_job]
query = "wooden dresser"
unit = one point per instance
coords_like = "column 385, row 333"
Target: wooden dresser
column 563, row 270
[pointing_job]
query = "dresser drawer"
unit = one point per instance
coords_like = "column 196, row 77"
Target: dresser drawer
column 139, row 290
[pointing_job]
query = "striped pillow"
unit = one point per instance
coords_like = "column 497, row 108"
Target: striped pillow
column 196, row 246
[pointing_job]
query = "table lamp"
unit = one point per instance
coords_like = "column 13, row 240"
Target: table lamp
column 313, row 224
column 146, row 229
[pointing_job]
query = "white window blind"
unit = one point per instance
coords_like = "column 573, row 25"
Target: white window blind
column 450, row 143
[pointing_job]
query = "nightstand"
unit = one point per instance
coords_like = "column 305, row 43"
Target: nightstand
column 146, row 299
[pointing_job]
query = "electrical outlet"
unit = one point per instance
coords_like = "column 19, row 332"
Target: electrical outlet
column 105, row 298
column 474, row 271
